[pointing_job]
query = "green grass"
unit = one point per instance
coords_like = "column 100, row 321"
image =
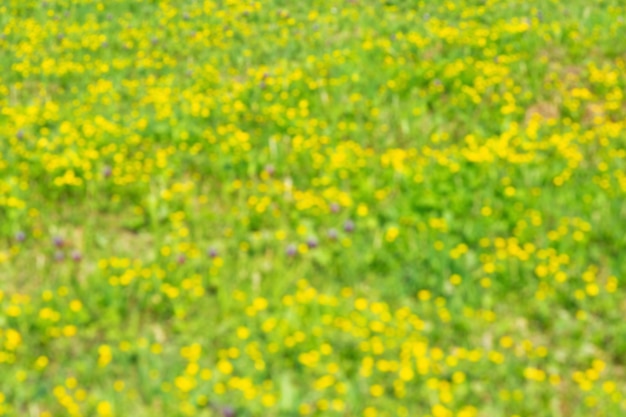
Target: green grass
column 361, row 208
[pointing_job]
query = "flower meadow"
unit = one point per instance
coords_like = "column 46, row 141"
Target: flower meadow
column 329, row 208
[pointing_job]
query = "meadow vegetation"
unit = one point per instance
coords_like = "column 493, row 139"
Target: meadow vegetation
column 312, row 208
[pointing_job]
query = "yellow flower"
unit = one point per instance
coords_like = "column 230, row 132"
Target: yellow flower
column 391, row 234
column 377, row 390
column 104, row 409
column 225, row 367
column 185, row 383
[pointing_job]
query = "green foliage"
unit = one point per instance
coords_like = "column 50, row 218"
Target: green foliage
column 360, row 208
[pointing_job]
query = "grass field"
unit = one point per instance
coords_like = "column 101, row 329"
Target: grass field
column 313, row 208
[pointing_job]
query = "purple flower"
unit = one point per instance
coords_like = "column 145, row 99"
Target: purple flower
column 59, row 256
column 58, row 241
column 348, row 226
column 270, row 169
column 332, row 234
column 181, row 259
column 107, row 171
column 291, row 250
column 76, row 256
column 312, row 243
column 20, row 134
column 334, row 207
column 212, row 253
column 228, row 411
column 20, row 236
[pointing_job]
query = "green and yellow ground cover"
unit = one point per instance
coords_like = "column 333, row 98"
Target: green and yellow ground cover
column 312, row 208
